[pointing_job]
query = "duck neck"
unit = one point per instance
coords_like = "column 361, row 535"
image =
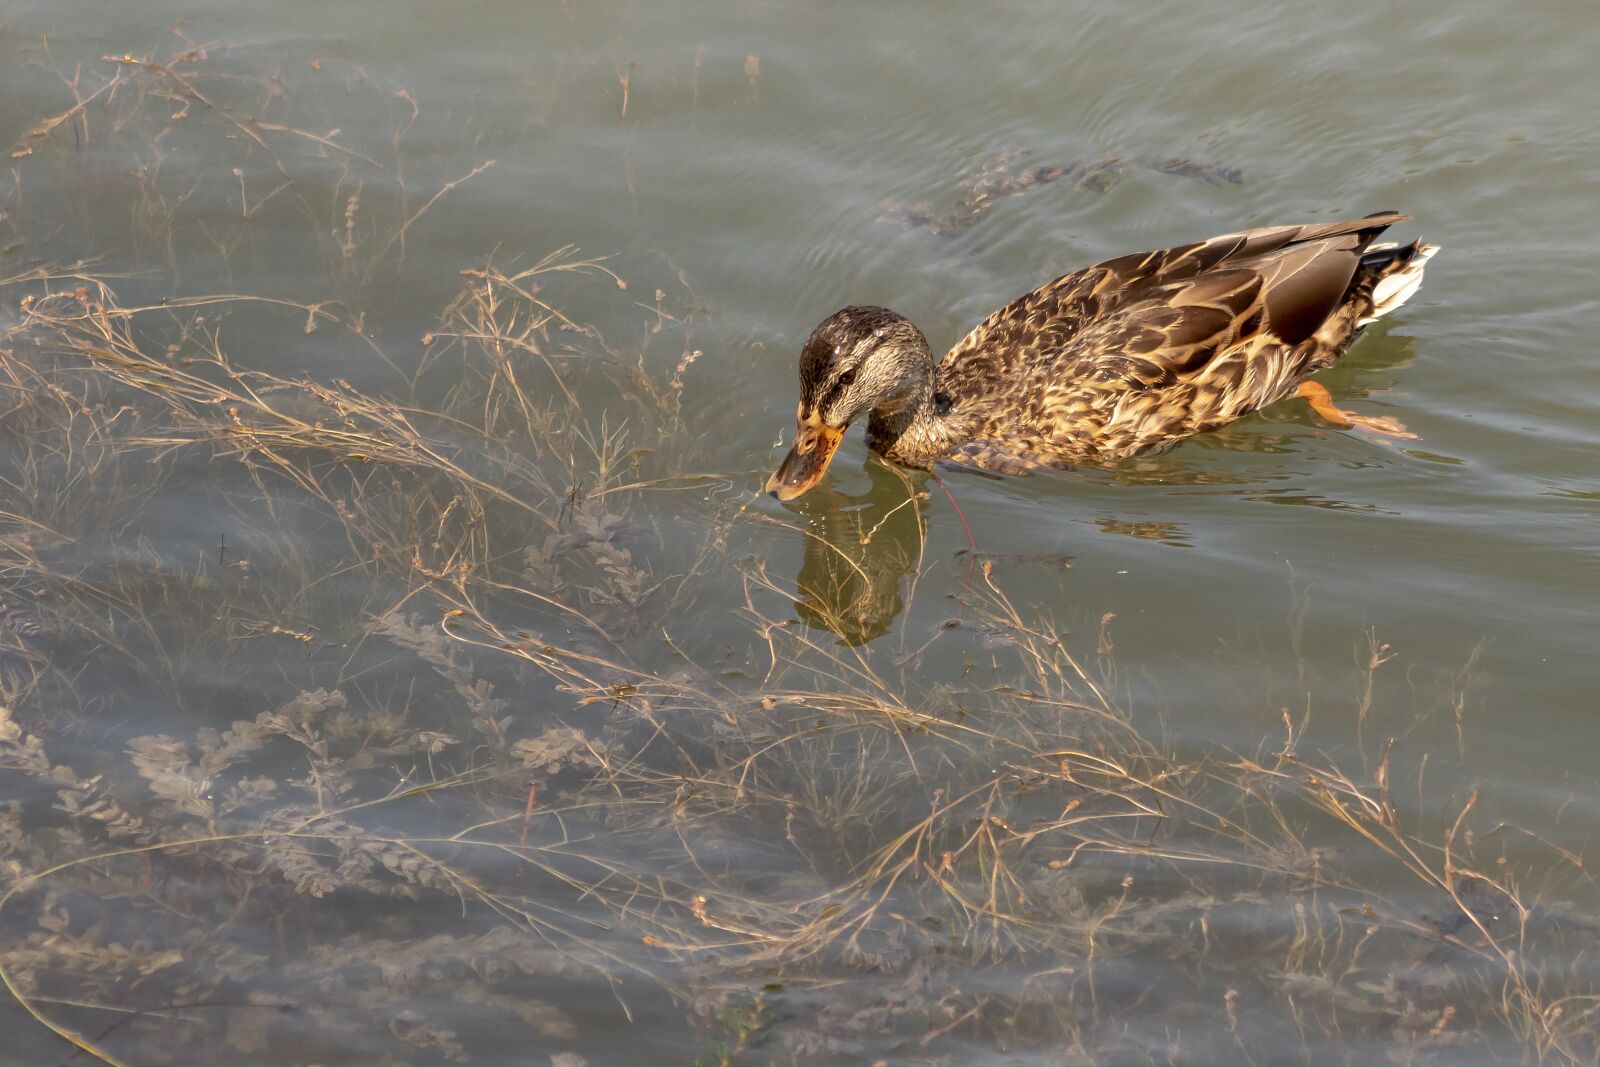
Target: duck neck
column 910, row 427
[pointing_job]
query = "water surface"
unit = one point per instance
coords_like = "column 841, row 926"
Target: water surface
column 746, row 171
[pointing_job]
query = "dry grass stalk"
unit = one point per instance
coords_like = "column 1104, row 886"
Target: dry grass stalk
column 502, row 741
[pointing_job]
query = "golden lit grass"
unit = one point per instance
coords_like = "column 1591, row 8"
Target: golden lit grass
column 896, row 800
column 524, row 760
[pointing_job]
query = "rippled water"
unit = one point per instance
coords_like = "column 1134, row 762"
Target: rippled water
column 747, row 171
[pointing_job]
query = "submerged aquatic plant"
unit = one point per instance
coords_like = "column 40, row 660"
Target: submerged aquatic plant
column 928, row 831
column 443, row 736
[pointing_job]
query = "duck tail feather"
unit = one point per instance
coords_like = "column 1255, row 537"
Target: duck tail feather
column 1398, row 272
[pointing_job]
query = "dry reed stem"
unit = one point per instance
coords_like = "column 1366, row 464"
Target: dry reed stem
column 903, row 803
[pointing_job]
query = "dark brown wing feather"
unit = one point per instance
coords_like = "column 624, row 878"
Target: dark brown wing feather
column 1144, row 349
column 1171, row 333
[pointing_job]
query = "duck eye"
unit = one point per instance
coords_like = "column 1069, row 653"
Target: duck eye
column 847, row 378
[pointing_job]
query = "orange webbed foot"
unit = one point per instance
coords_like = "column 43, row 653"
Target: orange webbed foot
column 1321, row 402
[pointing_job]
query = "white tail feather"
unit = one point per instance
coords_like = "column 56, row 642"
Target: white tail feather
column 1398, row 287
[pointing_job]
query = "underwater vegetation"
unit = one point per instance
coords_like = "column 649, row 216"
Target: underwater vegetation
column 452, row 767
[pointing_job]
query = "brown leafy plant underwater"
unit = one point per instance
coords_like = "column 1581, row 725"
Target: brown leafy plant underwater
column 490, row 780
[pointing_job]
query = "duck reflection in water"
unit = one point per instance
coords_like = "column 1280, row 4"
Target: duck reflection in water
column 862, row 553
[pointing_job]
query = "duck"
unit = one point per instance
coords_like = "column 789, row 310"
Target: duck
column 1124, row 358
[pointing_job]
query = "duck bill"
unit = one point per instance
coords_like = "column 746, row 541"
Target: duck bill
column 814, row 444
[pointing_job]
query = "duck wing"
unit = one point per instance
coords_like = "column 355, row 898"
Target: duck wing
column 1149, row 319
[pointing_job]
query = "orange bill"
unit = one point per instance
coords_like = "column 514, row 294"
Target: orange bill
column 814, row 444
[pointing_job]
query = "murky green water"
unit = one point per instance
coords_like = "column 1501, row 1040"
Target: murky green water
column 746, row 171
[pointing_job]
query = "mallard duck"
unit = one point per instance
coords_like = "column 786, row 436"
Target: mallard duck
column 1126, row 357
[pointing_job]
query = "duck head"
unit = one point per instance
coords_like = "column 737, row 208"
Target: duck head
column 860, row 360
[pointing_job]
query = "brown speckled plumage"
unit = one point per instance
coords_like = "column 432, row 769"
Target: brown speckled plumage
column 1125, row 357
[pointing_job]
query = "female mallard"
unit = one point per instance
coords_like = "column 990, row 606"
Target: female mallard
column 1128, row 356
